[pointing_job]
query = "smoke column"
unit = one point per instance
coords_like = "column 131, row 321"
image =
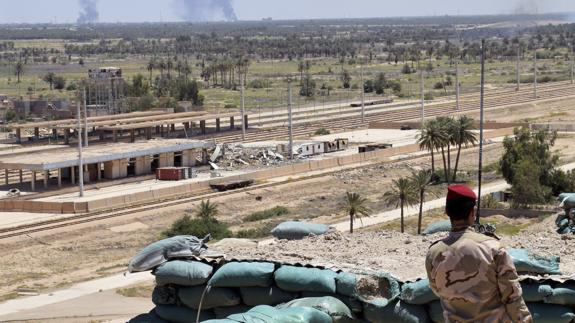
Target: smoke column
column 89, row 12
column 528, row 7
column 205, row 10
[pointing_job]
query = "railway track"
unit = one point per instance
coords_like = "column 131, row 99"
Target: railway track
column 492, row 101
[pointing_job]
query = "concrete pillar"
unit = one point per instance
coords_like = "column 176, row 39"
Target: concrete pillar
column 18, row 135
column 21, row 176
column 148, row 133
column 132, row 135
column 189, row 158
column 187, row 126
column 59, row 177
column 46, row 177
column 157, row 130
column 73, row 175
column 6, row 178
column 55, row 133
column 36, row 132
column 102, row 135
column 172, row 127
column 246, row 121
column 86, row 174
column 232, row 126
column 99, row 171
column 203, row 127
column 166, row 160
column 217, row 124
column 143, row 165
column 161, row 130
column 33, row 182
column 67, row 136
column 116, row 169
column 115, row 135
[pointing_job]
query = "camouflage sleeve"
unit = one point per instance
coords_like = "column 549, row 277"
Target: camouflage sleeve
column 429, row 269
column 510, row 289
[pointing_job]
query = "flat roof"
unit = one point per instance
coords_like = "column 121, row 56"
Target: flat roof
column 53, row 123
column 68, row 157
column 140, row 119
column 154, row 123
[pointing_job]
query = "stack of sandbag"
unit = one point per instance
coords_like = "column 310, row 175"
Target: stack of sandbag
column 230, row 291
column 565, row 221
column 438, row 226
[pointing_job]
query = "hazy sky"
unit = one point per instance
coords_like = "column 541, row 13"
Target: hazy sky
column 156, row 10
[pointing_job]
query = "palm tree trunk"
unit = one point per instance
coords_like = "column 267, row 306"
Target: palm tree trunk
column 419, row 220
column 449, row 162
column 351, row 216
column 402, row 224
column 432, row 162
column 456, row 163
column 444, row 164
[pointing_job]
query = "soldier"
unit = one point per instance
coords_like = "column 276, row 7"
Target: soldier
column 472, row 274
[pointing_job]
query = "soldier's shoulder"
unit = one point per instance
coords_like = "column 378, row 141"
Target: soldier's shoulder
column 483, row 239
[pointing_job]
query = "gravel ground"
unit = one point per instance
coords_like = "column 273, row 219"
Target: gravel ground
column 402, row 255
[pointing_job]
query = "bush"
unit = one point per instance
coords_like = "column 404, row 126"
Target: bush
column 266, row 214
column 199, row 227
column 259, row 84
column 322, row 132
column 438, row 86
column 406, row 69
column 428, row 97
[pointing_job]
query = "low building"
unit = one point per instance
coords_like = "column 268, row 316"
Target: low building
column 105, row 73
column 48, row 109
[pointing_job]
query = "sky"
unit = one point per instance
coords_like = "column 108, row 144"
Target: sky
column 66, row 11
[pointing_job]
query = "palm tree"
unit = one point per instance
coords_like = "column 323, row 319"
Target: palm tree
column 463, row 136
column 446, row 124
column 402, row 194
column 50, row 78
column 19, row 69
column 356, row 207
column 150, row 67
column 420, row 180
column 430, row 138
column 207, row 210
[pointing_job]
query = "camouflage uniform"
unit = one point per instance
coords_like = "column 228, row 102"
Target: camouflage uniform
column 475, row 279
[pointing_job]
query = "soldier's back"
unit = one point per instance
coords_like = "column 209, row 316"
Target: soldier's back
column 463, row 272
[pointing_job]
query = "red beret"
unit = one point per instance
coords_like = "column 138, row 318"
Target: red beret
column 455, row 192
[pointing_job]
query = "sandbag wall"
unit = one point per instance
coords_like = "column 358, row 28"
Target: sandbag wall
column 241, row 291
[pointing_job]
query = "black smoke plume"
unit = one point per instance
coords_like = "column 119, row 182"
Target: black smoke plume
column 206, row 10
column 89, row 12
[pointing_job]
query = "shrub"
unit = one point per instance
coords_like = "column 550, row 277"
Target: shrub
column 199, row 227
column 322, row 132
column 428, row 97
column 266, row 214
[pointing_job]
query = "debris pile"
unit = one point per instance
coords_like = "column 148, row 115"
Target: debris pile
column 231, row 157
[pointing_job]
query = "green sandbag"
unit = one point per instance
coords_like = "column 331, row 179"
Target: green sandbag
column 439, row 226
column 550, row 313
column 352, row 303
column 560, row 220
column 380, row 311
column 527, row 262
column 165, row 295
column 150, row 317
column 181, row 314
column 565, row 230
column 183, row 273
column 535, row 292
column 244, row 274
column 295, row 230
column 435, row 311
column 215, row 297
column 300, row 279
column 346, row 284
column 563, row 294
column 161, row 251
column 418, row 293
column 268, row 314
column 224, row 312
column 273, row 295
column 332, row 306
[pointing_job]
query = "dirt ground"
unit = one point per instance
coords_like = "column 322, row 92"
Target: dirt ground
column 92, row 251
column 402, row 255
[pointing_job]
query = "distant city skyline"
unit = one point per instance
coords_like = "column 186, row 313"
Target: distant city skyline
column 67, row 11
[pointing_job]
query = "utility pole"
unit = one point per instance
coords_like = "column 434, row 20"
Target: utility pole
column 535, row 73
column 422, row 90
column 457, row 88
column 80, row 157
column 572, row 62
column 85, row 118
column 481, row 101
column 243, row 105
column 518, row 66
column 362, row 96
column 290, row 121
